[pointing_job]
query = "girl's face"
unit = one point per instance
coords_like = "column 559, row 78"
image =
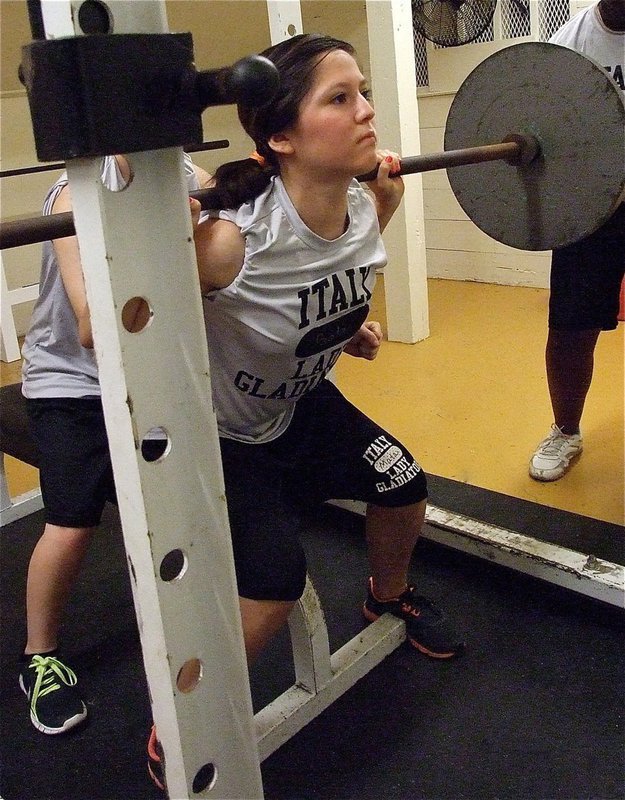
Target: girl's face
column 334, row 132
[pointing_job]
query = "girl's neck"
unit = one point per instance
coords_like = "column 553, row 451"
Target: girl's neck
column 322, row 206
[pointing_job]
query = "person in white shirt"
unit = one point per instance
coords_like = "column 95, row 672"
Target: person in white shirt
column 586, row 276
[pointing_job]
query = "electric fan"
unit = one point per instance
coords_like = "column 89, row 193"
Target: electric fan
column 452, row 22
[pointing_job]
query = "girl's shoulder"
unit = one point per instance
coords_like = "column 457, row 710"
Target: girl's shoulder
column 253, row 212
column 360, row 198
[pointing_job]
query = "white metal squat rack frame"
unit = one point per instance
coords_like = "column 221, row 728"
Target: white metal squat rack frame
column 138, row 243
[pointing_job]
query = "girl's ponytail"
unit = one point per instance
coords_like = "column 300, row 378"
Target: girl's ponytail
column 238, row 182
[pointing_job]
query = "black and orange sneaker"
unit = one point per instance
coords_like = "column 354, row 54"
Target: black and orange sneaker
column 427, row 629
column 156, row 761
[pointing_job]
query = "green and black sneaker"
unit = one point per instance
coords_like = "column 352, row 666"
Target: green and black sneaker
column 55, row 706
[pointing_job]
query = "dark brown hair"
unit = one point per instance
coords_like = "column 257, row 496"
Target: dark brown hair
column 237, row 182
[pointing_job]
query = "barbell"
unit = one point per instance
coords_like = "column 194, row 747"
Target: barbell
column 553, row 168
column 534, row 151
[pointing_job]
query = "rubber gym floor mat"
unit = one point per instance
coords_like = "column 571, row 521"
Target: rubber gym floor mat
column 532, row 711
column 583, row 534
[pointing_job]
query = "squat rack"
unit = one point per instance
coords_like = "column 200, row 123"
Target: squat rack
column 173, row 511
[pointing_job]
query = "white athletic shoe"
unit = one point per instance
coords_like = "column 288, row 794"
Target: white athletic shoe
column 554, row 454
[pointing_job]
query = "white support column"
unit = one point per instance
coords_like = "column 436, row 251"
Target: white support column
column 285, row 19
column 18, row 506
column 391, row 49
column 9, row 345
column 138, row 243
column 535, row 20
column 57, row 18
column 321, row 678
column 309, row 641
column 497, row 23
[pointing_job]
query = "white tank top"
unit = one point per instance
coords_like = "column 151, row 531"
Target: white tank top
column 281, row 325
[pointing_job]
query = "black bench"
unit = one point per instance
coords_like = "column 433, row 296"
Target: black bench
column 15, row 441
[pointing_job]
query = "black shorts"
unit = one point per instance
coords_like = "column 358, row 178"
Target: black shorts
column 331, row 450
column 586, row 279
column 75, row 467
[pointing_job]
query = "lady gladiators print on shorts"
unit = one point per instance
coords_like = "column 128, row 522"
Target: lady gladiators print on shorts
column 384, row 456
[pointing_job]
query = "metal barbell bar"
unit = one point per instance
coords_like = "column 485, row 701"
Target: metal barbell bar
column 56, row 226
column 515, row 150
column 558, row 176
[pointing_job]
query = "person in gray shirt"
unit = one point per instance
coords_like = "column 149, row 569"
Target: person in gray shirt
column 60, row 383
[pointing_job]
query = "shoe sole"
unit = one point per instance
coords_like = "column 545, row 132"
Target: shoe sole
column 154, row 778
column 155, row 758
column 535, row 475
column 441, row 656
column 370, row 616
column 70, row 723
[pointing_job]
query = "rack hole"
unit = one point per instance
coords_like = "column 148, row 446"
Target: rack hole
column 94, row 16
column 136, row 314
column 117, row 173
column 173, row 566
column 205, row 778
column 189, row 675
column 155, row 445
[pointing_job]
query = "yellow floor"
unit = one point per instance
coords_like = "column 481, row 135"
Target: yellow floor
column 471, row 400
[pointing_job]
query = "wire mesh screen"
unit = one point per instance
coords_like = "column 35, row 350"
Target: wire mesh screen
column 552, row 14
column 539, row 19
column 420, row 57
column 487, row 34
column 515, row 18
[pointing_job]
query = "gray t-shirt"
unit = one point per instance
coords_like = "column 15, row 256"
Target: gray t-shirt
column 280, row 326
column 586, row 33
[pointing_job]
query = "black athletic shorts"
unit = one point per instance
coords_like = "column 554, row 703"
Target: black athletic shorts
column 331, row 450
column 75, row 470
column 586, row 279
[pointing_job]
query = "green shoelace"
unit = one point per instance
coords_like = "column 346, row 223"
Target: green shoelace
column 50, row 673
